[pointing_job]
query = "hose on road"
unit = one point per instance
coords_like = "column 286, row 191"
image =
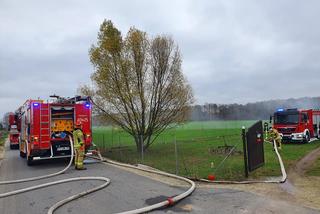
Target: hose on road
column 43, row 176
column 169, row 201
column 62, row 202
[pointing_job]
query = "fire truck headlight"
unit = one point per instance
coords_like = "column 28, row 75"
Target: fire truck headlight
column 299, row 135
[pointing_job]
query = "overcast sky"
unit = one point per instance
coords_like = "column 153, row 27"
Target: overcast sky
column 233, row 51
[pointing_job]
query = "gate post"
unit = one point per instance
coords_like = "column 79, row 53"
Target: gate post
column 245, row 151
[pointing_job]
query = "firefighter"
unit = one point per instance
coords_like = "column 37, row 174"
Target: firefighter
column 273, row 135
column 79, row 147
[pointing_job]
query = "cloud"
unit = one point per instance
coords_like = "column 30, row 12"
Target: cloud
column 233, row 51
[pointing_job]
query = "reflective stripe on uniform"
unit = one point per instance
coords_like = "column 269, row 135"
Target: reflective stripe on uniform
column 79, row 147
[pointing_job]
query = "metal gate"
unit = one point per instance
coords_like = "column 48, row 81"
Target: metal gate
column 254, row 146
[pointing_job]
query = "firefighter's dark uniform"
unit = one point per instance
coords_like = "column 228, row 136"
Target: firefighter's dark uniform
column 273, row 135
column 79, row 148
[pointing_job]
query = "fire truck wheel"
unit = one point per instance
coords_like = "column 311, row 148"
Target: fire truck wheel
column 11, row 147
column 22, row 154
column 307, row 138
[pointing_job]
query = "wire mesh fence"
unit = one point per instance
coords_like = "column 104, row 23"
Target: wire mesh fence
column 194, row 153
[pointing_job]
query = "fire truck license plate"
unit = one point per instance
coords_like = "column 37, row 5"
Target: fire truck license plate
column 65, row 148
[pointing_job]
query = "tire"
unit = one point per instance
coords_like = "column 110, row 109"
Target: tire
column 30, row 161
column 307, row 138
column 12, row 147
column 22, row 154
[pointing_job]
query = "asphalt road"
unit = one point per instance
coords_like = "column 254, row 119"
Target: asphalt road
column 127, row 191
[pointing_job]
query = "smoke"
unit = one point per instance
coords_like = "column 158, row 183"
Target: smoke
column 250, row 111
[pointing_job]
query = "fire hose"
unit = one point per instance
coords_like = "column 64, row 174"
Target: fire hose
column 168, row 202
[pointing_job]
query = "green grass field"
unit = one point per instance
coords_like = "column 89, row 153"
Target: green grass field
column 200, row 150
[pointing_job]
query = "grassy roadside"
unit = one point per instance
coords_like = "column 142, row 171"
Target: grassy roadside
column 315, row 169
column 3, row 136
column 290, row 153
column 197, row 151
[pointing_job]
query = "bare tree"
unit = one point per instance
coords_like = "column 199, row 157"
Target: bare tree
column 138, row 82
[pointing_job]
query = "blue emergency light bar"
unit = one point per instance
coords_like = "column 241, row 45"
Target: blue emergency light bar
column 35, row 104
column 280, row 109
column 87, row 105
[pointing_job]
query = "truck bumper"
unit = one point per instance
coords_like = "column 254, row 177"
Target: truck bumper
column 14, row 143
column 293, row 138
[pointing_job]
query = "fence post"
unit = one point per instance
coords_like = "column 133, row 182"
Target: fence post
column 111, row 136
column 176, row 154
column 104, row 145
column 244, row 140
column 119, row 146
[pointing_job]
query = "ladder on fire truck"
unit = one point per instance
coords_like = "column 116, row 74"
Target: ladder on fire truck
column 45, row 123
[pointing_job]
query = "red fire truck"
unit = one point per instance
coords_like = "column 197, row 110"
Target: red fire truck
column 297, row 125
column 13, row 129
column 46, row 126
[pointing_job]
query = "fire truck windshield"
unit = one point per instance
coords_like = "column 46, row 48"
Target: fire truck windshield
column 286, row 118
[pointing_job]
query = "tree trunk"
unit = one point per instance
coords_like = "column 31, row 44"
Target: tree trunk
column 139, row 143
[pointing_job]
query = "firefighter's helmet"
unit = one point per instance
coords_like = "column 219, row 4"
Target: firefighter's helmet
column 78, row 125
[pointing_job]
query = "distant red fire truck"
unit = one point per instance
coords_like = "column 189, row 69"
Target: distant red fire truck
column 297, row 125
column 13, row 129
column 46, row 126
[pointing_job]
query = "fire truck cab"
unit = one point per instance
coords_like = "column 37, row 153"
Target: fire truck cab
column 46, row 126
column 13, row 131
column 297, row 125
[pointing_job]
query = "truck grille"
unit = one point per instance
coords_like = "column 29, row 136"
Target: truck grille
column 286, row 130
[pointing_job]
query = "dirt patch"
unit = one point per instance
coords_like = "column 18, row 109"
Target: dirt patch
column 273, row 191
column 307, row 189
column 306, row 162
column 298, row 189
column 1, row 152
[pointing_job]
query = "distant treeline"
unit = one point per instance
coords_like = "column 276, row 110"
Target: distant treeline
column 250, row 111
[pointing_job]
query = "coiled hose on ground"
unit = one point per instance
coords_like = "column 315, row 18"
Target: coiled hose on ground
column 167, row 202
